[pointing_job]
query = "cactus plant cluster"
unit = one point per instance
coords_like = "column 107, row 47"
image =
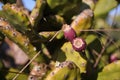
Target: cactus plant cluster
column 55, row 38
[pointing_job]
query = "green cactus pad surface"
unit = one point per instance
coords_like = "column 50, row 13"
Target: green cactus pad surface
column 65, row 8
column 82, row 21
column 110, row 72
column 74, row 56
column 17, row 37
column 37, row 12
column 102, row 9
column 64, row 71
column 11, row 75
column 18, row 17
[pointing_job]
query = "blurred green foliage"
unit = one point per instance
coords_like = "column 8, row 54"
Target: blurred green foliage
column 42, row 30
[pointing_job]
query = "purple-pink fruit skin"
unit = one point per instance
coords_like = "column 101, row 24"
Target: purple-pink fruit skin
column 69, row 33
column 113, row 58
column 79, row 44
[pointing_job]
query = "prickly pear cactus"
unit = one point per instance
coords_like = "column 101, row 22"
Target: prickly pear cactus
column 12, row 13
column 113, row 70
column 74, row 56
column 62, row 39
column 64, row 71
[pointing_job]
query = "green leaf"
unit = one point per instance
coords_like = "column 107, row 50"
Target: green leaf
column 90, row 3
column 56, row 3
column 104, row 6
column 110, row 72
column 66, row 8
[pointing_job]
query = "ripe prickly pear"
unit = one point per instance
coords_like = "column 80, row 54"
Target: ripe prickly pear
column 79, row 44
column 69, row 33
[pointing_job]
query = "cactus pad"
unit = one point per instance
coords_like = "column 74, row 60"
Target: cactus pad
column 74, row 56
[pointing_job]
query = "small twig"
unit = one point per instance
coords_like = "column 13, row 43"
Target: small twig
column 54, row 35
column 101, row 53
column 16, row 72
column 95, row 52
column 89, row 30
column 113, row 42
column 32, row 59
column 102, row 30
column 108, row 37
column 26, row 66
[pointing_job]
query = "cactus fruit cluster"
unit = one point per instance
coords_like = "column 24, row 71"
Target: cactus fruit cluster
column 53, row 41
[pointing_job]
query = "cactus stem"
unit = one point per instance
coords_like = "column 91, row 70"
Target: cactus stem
column 37, row 12
column 17, row 37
